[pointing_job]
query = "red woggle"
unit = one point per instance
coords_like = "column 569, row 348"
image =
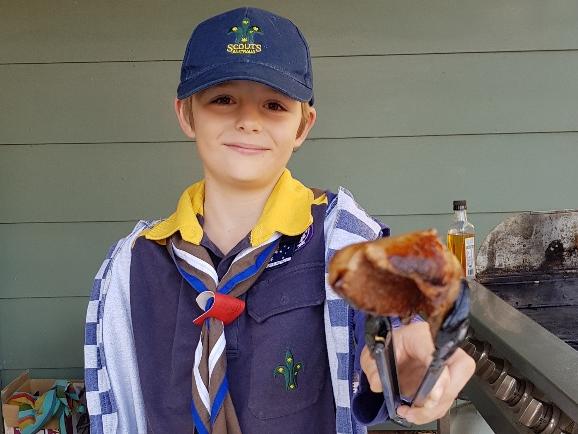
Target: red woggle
column 224, row 308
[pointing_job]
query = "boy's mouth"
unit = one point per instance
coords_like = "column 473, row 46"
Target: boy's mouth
column 245, row 148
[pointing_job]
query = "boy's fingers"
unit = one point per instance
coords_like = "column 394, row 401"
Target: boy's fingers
column 402, row 411
column 438, row 393
column 375, row 383
column 458, row 371
column 369, row 367
column 421, row 415
column 415, row 341
column 434, row 405
column 461, row 368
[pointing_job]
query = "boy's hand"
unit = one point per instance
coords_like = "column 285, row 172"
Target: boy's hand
column 414, row 347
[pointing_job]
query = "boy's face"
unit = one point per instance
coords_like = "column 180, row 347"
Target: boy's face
column 245, row 131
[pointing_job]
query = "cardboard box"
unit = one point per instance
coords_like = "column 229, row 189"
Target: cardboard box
column 26, row 384
column 42, row 431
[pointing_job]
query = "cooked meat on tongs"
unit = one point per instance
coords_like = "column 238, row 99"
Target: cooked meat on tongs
column 399, row 277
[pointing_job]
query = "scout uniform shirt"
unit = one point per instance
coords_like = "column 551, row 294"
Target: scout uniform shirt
column 283, row 315
column 278, row 366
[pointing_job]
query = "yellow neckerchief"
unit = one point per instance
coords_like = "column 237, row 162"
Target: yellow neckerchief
column 287, row 210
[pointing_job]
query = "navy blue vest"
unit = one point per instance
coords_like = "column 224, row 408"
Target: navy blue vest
column 284, row 312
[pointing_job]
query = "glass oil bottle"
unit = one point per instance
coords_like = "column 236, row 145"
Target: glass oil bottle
column 461, row 239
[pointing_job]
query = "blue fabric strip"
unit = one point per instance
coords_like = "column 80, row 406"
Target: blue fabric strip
column 197, row 420
column 219, row 399
column 351, row 364
column 195, row 282
column 343, row 419
column 337, row 313
column 248, row 272
column 90, row 334
column 96, row 426
column 91, row 379
column 350, row 223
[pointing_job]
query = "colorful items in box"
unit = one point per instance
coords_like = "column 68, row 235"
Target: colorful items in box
column 59, row 402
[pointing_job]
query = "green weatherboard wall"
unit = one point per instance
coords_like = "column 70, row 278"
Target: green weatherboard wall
column 419, row 103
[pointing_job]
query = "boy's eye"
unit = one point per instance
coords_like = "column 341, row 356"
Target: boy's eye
column 225, row 99
column 275, row 106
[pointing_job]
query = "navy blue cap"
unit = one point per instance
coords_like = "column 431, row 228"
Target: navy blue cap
column 248, row 44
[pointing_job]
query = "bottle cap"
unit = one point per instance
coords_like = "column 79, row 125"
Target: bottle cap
column 460, row 205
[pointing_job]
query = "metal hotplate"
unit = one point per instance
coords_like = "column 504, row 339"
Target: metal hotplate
column 530, row 260
column 551, row 301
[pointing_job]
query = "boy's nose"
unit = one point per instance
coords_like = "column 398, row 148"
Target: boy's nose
column 249, row 119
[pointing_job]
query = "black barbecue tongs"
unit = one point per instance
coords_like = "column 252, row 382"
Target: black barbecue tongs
column 379, row 339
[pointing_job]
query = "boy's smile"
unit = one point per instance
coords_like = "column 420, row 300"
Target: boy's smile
column 246, row 148
column 245, row 131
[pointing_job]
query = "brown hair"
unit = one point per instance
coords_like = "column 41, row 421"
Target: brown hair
column 305, row 110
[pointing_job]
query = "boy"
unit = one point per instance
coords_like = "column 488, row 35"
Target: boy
column 219, row 319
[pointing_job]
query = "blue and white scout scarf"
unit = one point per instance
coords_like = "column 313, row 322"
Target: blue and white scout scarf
column 212, row 409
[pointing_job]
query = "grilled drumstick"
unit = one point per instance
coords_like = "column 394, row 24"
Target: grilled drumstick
column 399, row 276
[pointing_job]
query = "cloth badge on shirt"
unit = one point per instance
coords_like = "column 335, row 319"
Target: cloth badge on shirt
column 289, row 371
column 305, row 238
column 288, row 247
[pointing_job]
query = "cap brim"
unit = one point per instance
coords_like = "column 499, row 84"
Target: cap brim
column 246, row 71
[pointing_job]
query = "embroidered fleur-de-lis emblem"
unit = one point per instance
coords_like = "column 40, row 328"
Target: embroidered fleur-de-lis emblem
column 289, row 371
column 245, row 33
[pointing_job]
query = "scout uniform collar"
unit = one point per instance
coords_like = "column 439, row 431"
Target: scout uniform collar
column 287, row 210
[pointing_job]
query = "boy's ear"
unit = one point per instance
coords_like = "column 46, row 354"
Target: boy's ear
column 311, row 118
column 185, row 118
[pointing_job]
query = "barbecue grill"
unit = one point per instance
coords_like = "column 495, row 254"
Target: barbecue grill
column 530, row 260
column 524, row 325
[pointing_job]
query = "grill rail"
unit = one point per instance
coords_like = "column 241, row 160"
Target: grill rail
column 526, row 378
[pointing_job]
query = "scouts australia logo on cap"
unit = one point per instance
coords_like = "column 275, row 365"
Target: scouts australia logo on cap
column 244, row 38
